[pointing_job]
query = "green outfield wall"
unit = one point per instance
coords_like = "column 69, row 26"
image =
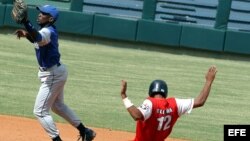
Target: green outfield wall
column 115, row 28
column 2, row 14
column 77, row 23
column 237, row 42
column 149, row 31
column 202, row 38
column 145, row 29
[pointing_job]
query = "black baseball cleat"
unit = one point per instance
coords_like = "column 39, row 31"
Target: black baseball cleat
column 88, row 136
column 57, row 139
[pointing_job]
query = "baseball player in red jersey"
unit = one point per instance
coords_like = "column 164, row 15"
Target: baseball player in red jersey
column 157, row 115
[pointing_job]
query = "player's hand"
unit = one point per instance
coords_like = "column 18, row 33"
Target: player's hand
column 21, row 33
column 211, row 74
column 123, row 89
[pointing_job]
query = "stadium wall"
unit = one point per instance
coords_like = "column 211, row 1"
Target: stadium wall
column 168, row 34
column 142, row 30
column 114, row 28
column 202, row 38
column 237, row 42
column 2, row 13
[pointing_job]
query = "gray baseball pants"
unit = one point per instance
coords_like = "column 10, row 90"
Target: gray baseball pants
column 51, row 96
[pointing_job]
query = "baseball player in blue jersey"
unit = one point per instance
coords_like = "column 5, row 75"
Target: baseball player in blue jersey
column 52, row 74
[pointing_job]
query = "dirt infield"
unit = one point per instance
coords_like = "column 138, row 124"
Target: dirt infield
column 25, row 129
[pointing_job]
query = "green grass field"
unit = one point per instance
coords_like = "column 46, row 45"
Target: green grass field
column 96, row 67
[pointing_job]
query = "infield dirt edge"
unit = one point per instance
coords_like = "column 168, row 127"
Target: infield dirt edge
column 15, row 128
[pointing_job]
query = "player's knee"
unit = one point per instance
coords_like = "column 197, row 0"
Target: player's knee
column 54, row 109
column 38, row 112
column 58, row 107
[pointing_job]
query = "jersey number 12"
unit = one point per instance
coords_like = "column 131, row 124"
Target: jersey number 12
column 164, row 122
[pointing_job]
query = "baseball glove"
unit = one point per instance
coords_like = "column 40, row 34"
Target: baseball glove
column 19, row 12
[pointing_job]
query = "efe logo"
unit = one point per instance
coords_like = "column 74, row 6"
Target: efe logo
column 237, row 132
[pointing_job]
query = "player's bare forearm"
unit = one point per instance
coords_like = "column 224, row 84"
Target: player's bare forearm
column 133, row 111
column 202, row 97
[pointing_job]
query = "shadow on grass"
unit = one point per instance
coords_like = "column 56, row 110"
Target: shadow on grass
column 145, row 46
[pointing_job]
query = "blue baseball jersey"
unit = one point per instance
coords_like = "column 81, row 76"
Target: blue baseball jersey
column 47, row 51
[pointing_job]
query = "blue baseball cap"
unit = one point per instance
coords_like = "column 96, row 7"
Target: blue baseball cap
column 49, row 9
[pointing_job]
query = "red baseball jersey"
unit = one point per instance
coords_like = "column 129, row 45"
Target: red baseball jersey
column 160, row 116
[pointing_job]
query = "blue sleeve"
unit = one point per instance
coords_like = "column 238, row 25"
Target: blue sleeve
column 32, row 31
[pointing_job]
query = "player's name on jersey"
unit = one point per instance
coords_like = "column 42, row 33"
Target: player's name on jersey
column 237, row 132
column 165, row 111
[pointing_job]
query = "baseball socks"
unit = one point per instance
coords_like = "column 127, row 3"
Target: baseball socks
column 81, row 129
column 57, row 139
